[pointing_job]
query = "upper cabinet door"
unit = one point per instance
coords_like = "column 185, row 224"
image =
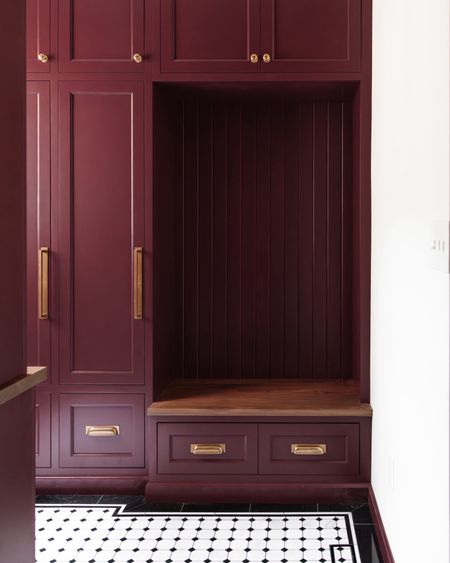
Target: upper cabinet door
column 38, row 36
column 311, row 35
column 210, row 35
column 101, row 232
column 101, row 35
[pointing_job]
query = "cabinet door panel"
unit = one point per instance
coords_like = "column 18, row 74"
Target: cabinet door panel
column 100, row 35
column 38, row 216
column 38, row 35
column 101, row 222
column 311, row 35
column 209, row 35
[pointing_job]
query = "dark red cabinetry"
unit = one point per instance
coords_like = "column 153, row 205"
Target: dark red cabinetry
column 101, row 36
column 197, row 223
column 39, row 54
column 266, row 36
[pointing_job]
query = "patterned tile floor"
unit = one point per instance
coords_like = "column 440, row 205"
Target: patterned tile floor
column 81, row 529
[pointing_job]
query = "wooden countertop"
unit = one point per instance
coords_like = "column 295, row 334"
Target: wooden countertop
column 19, row 385
column 260, row 397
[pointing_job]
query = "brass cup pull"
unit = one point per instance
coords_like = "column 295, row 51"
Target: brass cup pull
column 254, row 58
column 208, row 449
column 137, row 58
column 43, row 57
column 43, row 282
column 94, row 431
column 137, row 282
column 267, row 58
column 308, row 449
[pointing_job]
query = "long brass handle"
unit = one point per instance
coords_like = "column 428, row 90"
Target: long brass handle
column 137, row 282
column 43, row 282
column 308, row 449
column 208, row 449
column 94, row 431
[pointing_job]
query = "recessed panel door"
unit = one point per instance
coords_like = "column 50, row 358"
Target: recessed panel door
column 100, row 259
column 310, row 35
column 101, row 35
column 39, row 248
column 210, row 35
column 38, row 36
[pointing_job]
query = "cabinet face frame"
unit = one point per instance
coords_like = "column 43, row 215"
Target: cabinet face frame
column 67, row 62
column 38, row 217
column 169, row 62
column 68, row 373
column 38, row 35
column 269, row 43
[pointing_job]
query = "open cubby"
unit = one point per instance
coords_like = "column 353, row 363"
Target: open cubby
column 254, row 233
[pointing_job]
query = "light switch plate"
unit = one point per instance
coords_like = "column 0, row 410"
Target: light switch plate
column 439, row 246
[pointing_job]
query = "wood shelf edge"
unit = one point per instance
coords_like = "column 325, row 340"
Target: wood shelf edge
column 23, row 383
column 364, row 410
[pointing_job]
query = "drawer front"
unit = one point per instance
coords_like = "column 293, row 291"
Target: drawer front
column 43, row 429
column 102, row 430
column 309, row 449
column 215, row 448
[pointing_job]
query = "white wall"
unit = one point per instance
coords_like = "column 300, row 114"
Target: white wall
column 410, row 300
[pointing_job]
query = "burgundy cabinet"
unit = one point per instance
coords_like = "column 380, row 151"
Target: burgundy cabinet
column 101, row 238
column 101, row 35
column 311, row 35
column 43, row 429
column 266, row 36
column 207, row 448
column 209, row 35
column 38, row 50
column 39, row 313
column 309, row 449
column 101, row 430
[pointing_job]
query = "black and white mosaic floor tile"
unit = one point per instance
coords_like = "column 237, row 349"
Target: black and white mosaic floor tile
column 69, row 533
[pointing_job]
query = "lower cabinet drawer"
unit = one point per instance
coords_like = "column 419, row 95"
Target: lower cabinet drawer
column 203, row 448
column 102, row 430
column 309, row 449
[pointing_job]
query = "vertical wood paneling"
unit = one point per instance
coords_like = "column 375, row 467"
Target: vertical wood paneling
column 265, row 236
column 234, row 243
column 263, row 225
column 276, row 259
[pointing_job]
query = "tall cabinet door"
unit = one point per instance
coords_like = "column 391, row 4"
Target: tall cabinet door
column 38, row 36
column 39, row 251
column 101, row 231
column 311, row 35
column 210, row 35
column 101, row 35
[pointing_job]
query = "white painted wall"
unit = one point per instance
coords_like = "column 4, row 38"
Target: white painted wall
column 410, row 300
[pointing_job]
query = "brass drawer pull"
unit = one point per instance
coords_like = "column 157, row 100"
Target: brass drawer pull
column 138, row 282
column 94, row 431
column 208, row 449
column 308, row 449
column 43, row 282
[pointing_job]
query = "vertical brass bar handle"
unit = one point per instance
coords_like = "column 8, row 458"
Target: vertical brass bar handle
column 137, row 282
column 43, row 282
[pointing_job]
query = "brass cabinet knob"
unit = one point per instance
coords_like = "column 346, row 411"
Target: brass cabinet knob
column 137, row 58
column 43, row 57
column 267, row 58
column 254, row 58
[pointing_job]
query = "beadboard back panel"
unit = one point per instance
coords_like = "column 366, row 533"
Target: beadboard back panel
column 261, row 198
